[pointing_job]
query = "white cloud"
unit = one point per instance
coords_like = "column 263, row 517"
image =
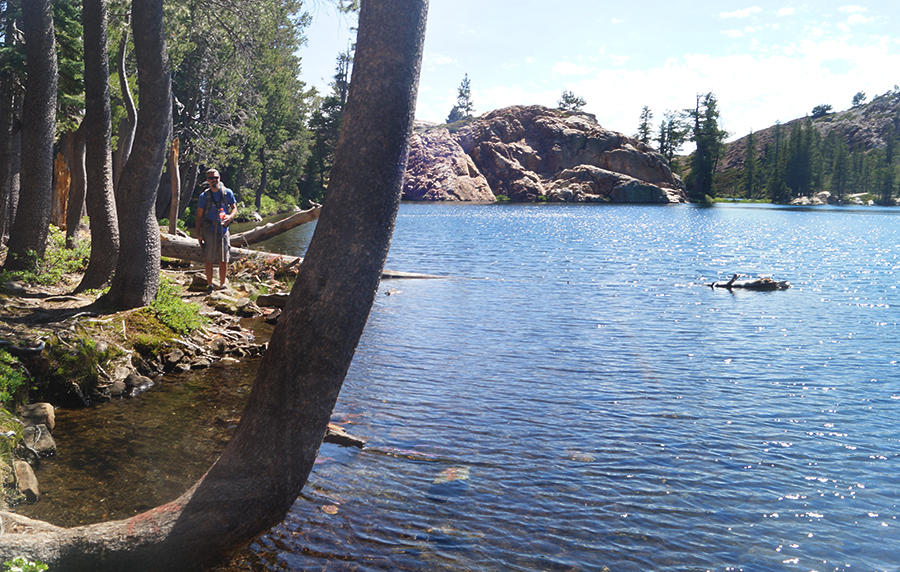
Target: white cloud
column 619, row 60
column 733, row 33
column 568, row 68
column 438, row 60
column 741, row 13
column 850, row 9
column 617, row 21
column 787, row 11
column 858, row 19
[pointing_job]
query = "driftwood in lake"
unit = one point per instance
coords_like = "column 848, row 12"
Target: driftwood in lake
column 267, row 231
column 766, row 284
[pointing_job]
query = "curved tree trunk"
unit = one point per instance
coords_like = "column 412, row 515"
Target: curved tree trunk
column 128, row 124
column 101, row 204
column 266, row 463
column 136, row 278
column 29, row 230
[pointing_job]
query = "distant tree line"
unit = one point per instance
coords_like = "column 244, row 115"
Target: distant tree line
column 795, row 161
column 799, row 161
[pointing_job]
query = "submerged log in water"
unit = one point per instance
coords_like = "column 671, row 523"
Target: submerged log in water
column 765, row 284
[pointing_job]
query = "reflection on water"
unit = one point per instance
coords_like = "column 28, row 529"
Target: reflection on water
column 582, row 400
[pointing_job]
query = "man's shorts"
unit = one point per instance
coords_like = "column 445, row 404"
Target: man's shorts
column 217, row 247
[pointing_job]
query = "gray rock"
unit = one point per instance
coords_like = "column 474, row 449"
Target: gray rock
column 39, row 439
column 26, row 482
column 39, row 414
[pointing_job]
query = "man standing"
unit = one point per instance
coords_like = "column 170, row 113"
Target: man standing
column 215, row 212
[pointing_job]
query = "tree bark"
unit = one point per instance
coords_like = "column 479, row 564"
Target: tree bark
column 265, row 465
column 74, row 206
column 175, row 175
column 136, row 278
column 128, row 124
column 101, row 204
column 28, row 235
column 10, row 142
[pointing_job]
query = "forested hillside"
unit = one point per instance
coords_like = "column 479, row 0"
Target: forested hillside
column 845, row 153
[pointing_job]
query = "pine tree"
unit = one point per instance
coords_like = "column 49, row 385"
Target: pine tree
column 645, row 127
column 464, row 107
column 750, row 166
column 710, row 145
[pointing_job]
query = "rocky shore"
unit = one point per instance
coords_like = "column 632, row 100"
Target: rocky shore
column 32, row 314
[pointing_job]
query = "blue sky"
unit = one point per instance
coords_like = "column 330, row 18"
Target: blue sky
column 765, row 61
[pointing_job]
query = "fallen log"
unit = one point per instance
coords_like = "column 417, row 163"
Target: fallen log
column 172, row 246
column 267, row 231
column 763, row 284
column 339, row 436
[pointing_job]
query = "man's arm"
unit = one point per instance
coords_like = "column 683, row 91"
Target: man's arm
column 199, row 224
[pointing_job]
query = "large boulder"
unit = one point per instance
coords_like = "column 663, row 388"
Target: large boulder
column 439, row 170
column 527, row 152
column 590, row 184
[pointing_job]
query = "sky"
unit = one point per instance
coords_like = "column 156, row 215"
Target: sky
column 764, row 61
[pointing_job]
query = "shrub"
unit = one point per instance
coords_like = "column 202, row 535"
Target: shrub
column 12, row 379
column 19, row 564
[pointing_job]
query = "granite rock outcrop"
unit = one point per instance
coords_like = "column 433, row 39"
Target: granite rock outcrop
column 531, row 152
column 439, row 170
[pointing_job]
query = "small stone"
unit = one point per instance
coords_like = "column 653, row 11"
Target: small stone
column 38, row 414
column 201, row 363
column 117, row 388
column 26, row 482
column 38, row 438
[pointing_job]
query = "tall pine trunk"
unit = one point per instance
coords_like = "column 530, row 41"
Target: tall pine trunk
column 136, row 278
column 101, row 205
column 28, row 234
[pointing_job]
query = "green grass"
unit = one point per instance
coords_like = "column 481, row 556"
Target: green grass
column 58, row 260
column 173, row 312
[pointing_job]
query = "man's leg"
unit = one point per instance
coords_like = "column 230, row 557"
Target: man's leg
column 209, row 273
column 223, row 274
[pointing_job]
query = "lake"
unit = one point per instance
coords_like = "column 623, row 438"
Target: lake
column 575, row 397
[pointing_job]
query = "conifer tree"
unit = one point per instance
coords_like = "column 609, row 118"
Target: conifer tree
column 645, row 127
column 464, row 107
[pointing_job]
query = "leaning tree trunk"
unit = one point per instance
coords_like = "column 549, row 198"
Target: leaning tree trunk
column 265, row 465
column 136, row 278
column 28, row 234
column 101, row 204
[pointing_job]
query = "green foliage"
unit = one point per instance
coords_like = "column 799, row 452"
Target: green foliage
column 821, row 110
column 672, row 133
column 70, row 61
column 568, row 101
column 12, row 379
column 859, row 98
column 58, row 260
column 173, row 312
column 179, row 224
column 710, row 146
column 20, row 564
column 464, row 106
column 325, row 126
column 645, row 127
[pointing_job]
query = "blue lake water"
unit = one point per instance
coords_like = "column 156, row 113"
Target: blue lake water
column 576, row 397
